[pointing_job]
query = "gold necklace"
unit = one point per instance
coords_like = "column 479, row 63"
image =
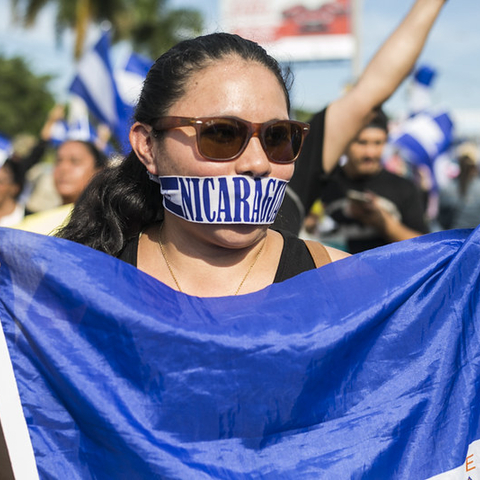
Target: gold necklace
column 164, row 255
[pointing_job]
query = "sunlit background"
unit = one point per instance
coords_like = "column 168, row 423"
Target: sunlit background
column 453, row 49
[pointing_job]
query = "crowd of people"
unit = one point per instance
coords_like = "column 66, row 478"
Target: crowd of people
column 44, row 177
column 361, row 204
column 375, row 196
column 341, row 193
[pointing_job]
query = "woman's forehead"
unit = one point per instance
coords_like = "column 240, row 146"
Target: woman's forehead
column 229, row 65
column 231, row 84
column 74, row 146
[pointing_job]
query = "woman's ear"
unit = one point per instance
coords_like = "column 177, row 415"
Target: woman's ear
column 143, row 145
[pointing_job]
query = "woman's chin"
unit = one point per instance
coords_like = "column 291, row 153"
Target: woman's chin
column 239, row 236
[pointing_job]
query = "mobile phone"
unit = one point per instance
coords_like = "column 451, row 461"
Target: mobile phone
column 358, row 196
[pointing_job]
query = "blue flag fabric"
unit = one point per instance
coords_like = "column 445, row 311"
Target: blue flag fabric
column 425, row 75
column 138, row 64
column 424, row 136
column 130, row 78
column 95, row 83
column 368, row 368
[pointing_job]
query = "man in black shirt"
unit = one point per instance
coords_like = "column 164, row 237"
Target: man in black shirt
column 334, row 128
column 371, row 206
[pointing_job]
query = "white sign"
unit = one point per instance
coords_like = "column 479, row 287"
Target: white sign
column 293, row 30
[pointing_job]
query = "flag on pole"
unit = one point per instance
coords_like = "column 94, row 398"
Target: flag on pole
column 367, row 368
column 95, row 84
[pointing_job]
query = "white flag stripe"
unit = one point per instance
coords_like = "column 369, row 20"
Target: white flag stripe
column 129, row 86
column 78, row 121
column 96, row 77
column 14, row 426
column 470, row 469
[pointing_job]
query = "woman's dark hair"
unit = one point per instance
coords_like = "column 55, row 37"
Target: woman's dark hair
column 121, row 200
column 16, row 172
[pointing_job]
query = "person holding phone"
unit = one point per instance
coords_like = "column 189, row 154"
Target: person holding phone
column 370, row 205
column 333, row 128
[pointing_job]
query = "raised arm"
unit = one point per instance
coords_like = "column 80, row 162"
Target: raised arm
column 56, row 114
column 395, row 59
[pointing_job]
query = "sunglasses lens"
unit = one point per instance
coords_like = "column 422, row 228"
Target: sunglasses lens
column 222, row 139
column 283, row 141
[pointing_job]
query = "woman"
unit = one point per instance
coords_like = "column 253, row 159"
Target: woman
column 193, row 129
column 77, row 161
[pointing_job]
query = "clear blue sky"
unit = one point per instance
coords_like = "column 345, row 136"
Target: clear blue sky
column 453, row 48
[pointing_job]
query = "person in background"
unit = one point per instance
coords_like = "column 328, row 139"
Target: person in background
column 40, row 192
column 459, row 199
column 76, row 163
column 11, row 184
column 29, row 154
column 371, row 206
column 334, row 128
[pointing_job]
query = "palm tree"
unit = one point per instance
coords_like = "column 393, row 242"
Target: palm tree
column 148, row 24
column 153, row 28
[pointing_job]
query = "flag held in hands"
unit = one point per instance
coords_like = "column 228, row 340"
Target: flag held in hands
column 368, row 368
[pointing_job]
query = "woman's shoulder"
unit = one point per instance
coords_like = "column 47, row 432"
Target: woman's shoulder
column 336, row 254
column 320, row 253
column 299, row 256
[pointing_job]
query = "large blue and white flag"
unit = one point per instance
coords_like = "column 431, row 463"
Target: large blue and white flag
column 95, row 84
column 367, row 368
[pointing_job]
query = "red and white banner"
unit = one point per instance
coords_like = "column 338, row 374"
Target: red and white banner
column 294, row 30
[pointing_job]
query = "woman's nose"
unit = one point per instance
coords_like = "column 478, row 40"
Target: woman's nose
column 253, row 161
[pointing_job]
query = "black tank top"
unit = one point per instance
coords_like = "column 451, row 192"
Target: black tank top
column 295, row 256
